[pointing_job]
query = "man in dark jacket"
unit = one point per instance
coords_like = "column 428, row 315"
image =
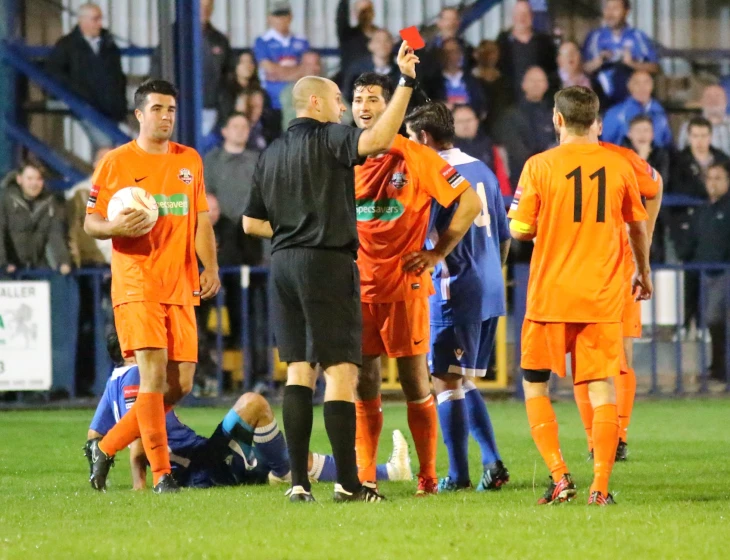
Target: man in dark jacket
column 354, row 40
column 32, row 232
column 88, row 63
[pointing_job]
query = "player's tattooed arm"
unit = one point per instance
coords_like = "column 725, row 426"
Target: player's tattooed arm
column 138, row 465
column 257, row 228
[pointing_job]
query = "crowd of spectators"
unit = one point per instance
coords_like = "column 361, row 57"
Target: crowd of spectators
column 500, row 92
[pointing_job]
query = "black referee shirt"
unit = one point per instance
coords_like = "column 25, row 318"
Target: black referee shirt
column 304, row 185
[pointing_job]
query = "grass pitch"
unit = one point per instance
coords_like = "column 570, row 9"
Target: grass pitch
column 672, row 494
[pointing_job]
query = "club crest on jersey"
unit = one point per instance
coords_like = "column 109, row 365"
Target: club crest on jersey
column 185, row 176
column 452, row 176
column 399, row 180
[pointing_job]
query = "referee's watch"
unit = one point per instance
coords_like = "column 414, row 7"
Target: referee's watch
column 407, row 81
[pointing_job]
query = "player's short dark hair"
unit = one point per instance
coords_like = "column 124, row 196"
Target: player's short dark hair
column 26, row 163
column 579, row 107
column 114, row 348
column 700, row 122
column 638, row 119
column 434, row 118
column 369, row 79
column 162, row 87
column 233, row 115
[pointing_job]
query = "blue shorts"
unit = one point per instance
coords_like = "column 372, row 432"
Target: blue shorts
column 215, row 463
column 462, row 349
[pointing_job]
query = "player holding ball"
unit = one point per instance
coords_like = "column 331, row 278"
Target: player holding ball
column 155, row 279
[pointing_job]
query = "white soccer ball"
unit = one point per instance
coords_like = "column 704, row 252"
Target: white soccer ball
column 132, row 197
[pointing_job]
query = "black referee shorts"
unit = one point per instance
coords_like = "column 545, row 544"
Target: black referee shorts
column 316, row 306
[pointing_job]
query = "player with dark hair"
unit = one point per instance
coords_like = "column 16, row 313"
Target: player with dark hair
column 247, row 447
column 393, row 194
column 574, row 201
column 155, row 278
column 466, row 307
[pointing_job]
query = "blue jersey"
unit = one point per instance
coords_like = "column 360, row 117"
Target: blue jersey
column 286, row 51
column 119, row 396
column 613, row 75
column 469, row 283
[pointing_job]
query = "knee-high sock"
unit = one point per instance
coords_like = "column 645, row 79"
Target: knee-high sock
column 271, row 446
column 625, row 395
column 454, row 420
column 369, row 425
column 339, row 421
column 298, row 418
column 605, row 441
column 544, row 429
column 124, row 432
column 585, row 408
column 423, row 423
column 151, row 418
column 480, row 425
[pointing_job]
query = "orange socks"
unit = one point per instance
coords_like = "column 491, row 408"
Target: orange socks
column 585, row 409
column 124, row 432
column 423, row 423
column 605, row 438
column 544, row 429
column 151, row 417
column 369, row 425
column 625, row 395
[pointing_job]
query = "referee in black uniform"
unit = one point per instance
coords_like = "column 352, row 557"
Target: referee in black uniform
column 303, row 197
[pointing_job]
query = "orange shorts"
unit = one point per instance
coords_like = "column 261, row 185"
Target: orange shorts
column 148, row 324
column 632, row 309
column 398, row 329
column 596, row 349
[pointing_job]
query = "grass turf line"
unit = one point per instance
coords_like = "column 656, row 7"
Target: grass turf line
column 672, row 494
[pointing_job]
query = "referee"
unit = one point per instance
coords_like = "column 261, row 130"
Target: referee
column 303, row 197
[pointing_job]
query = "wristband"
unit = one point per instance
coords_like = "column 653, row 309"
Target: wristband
column 407, row 81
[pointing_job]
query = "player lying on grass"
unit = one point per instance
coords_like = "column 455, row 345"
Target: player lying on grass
column 247, row 447
column 466, row 307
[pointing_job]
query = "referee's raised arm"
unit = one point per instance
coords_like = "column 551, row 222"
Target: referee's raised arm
column 303, row 197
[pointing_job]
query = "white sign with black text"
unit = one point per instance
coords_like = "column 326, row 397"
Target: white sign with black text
column 25, row 336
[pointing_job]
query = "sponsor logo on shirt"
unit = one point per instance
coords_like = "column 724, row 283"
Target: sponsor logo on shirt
column 452, row 176
column 185, row 176
column 516, row 199
column 386, row 209
column 92, row 196
column 130, row 395
column 399, row 180
column 173, row 205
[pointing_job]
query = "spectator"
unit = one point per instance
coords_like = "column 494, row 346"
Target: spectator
column 687, row 177
column 85, row 250
column 470, row 140
column 229, row 168
column 709, row 242
column 88, row 63
column 354, row 41
column 615, row 51
column 312, row 66
column 527, row 129
column 447, row 24
column 570, row 66
column 279, row 53
column 487, row 71
column 379, row 61
column 641, row 139
column 457, row 87
column 265, row 125
column 32, row 232
column 714, row 109
column 522, row 47
column 244, row 79
column 617, row 119
column 218, row 63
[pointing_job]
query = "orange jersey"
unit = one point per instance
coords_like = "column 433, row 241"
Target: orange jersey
column 579, row 197
column 648, row 179
column 161, row 266
column 393, row 195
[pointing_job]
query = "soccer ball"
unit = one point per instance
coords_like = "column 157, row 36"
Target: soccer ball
column 132, row 197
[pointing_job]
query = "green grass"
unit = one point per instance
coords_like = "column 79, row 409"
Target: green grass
column 672, row 493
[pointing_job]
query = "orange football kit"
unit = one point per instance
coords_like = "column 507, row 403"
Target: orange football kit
column 155, row 280
column 578, row 198
column 393, row 196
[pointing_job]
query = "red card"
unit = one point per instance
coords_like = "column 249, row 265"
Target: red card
column 411, row 34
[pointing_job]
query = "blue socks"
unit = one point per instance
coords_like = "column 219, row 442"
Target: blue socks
column 454, row 419
column 324, row 469
column 480, row 425
column 271, row 447
column 239, row 431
